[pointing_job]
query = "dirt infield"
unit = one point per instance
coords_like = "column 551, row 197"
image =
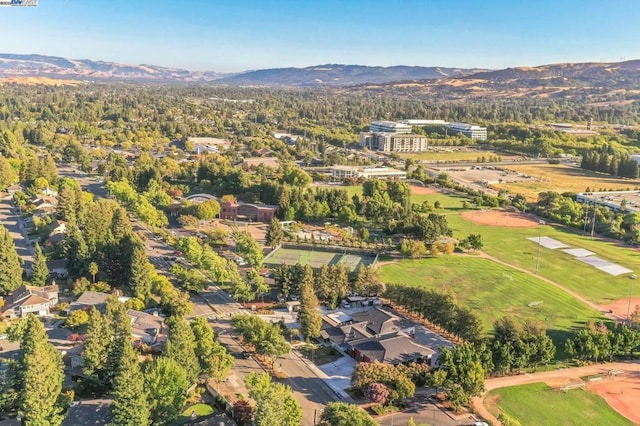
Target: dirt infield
column 500, row 218
column 422, row 190
column 622, row 393
column 620, row 307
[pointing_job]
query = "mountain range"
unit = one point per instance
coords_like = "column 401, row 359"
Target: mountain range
column 565, row 79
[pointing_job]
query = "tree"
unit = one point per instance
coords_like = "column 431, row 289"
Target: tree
column 140, row 271
column 167, row 383
column 181, row 347
column 275, row 402
column 10, row 263
column 130, row 406
column 212, row 357
column 242, row 412
column 275, row 233
column 93, row 270
column 248, row 248
column 472, row 242
column 77, row 318
column 378, row 393
column 309, row 317
column 343, row 414
column 95, row 345
column 42, row 376
column 39, row 269
column 207, row 210
column 76, row 252
column 118, row 329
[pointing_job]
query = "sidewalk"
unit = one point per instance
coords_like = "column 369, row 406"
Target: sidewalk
column 339, row 381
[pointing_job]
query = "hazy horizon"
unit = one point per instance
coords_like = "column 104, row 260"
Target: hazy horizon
column 228, row 37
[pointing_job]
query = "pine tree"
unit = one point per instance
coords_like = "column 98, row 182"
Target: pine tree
column 118, row 328
column 325, row 285
column 275, row 233
column 42, row 376
column 76, row 252
column 67, row 204
column 121, row 225
column 310, row 318
column 140, row 272
column 181, row 347
column 95, row 345
column 40, row 271
column 130, row 405
column 10, row 263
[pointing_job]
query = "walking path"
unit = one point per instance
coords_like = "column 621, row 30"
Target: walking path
column 552, row 378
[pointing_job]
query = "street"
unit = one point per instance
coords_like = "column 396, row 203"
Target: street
column 311, row 392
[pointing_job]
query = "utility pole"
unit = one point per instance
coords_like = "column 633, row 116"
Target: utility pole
column 593, row 224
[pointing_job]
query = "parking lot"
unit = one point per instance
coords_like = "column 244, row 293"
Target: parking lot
column 614, row 200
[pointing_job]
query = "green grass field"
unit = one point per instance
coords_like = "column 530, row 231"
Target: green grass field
column 492, row 291
column 537, row 404
column 315, row 258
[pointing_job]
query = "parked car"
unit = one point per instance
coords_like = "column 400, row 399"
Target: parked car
column 246, row 355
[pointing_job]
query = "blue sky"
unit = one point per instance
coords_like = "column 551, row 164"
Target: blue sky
column 235, row 35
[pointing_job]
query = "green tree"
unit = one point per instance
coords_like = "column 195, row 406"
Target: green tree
column 275, row 233
column 167, row 383
column 140, row 271
column 207, row 210
column 181, row 347
column 10, row 263
column 39, row 269
column 130, row 406
column 212, row 357
column 95, row 345
column 309, row 317
column 76, row 252
column 42, row 376
column 93, row 270
column 343, row 414
column 275, row 402
column 248, row 248
column 118, row 329
column 77, row 318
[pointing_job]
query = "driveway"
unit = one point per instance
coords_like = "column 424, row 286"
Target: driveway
column 11, row 221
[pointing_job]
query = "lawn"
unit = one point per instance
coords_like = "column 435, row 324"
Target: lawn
column 200, row 410
column 564, row 178
column 320, row 355
column 456, row 156
column 510, row 245
column 492, row 291
column 537, row 404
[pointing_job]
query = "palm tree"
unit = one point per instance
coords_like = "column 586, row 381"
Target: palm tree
column 93, row 270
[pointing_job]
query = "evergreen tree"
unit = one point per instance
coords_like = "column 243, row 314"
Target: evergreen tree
column 42, row 376
column 181, row 347
column 118, row 329
column 10, row 263
column 95, row 345
column 275, row 233
column 140, row 272
column 310, row 318
column 130, row 406
column 76, row 252
column 120, row 225
column 325, row 285
column 67, row 204
column 40, row 271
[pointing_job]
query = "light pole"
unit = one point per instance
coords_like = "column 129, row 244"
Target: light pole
column 542, row 222
column 633, row 277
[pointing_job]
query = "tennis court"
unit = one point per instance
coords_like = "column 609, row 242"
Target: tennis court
column 316, row 259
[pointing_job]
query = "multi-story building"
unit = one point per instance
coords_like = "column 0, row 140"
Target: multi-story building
column 470, row 131
column 30, row 300
column 389, row 127
column 246, row 211
column 340, row 173
column 393, row 142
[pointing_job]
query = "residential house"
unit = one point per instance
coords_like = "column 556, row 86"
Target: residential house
column 146, row 327
column 54, row 240
column 378, row 334
column 56, row 227
column 249, row 163
column 202, row 145
column 58, row 268
column 30, row 300
column 88, row 412
column 89, row 299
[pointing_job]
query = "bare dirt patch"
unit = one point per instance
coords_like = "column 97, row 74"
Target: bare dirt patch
column 621, row 393
column 422, row 190
column 620, row 307
column 500, row 218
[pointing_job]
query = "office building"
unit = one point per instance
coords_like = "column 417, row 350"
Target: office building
column 389, row 127
column 393, row 142
column 340, row 173
column 470, row 131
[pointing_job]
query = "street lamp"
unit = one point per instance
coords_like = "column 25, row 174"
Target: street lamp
column 542, row 222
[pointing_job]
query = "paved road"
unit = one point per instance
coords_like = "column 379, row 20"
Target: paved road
column 11, row 221
column 309, row 390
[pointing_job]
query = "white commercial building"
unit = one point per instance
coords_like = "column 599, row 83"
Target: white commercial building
column 393, row 142
column 470, row 131
column 201, row 145
column 340, row 173
column 425, row 122
column 389, row 127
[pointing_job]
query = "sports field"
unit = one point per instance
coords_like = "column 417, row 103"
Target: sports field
column 492, row 291
column 538, row 404
column 316, row 259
